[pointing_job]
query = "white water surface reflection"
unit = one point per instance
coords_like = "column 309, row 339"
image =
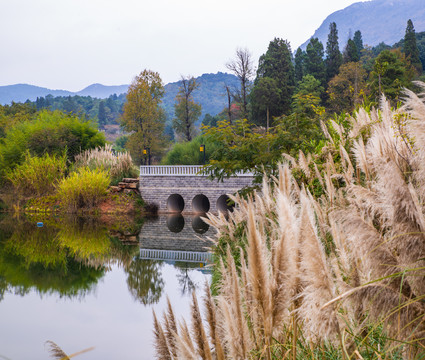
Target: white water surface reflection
column 112, row 315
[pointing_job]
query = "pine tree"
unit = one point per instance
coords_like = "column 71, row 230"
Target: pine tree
column 299, row 60
column 358, row 40
column 101, row 115
column 277, row 64
column 314, row 63
column 411, row 47
column 351, row 53
column 333, row 56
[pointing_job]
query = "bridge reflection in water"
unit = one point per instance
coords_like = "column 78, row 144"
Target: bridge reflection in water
column 175, row 239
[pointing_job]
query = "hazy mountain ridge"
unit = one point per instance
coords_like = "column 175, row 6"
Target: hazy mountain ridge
column 378, row 20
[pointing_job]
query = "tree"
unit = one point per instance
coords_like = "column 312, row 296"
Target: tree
column 266, row 95
column 358, row 40
column 351, row 53
column 314, row 64
column 411, row 48
column 186, row 111
column 391, row 72
column 333, row 56
column 347, row 88
column 143, row 117
column 101, row 115
column 276, row 64
column 243, row 68
column 306, row 99
column 299, row 61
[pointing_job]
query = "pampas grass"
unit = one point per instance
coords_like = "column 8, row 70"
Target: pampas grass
column 118, row 165
column 340, row 275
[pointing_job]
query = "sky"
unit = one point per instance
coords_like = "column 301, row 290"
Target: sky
column 70, row 44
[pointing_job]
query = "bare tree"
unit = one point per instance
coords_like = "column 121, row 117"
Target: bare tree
column 243, row 68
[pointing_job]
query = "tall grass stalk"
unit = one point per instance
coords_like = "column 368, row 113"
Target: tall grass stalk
column 340, row 275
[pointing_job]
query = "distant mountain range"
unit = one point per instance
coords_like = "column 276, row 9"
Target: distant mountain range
column 23, row 92
column 378, row 20
column 211, row 93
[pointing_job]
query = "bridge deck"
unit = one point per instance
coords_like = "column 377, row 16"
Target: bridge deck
column 178, row 170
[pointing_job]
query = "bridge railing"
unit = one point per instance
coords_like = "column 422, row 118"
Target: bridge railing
column 174, row 255
column 177, row 170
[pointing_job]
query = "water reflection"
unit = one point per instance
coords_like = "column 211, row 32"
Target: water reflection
column 199, row 225
column 101, row 270
column 175, row 222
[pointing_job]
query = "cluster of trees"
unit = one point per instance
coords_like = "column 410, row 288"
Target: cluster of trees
column 105, row 111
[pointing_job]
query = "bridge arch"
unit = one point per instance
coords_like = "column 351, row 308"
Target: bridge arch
column 201, row 204
column 175, row 203
column 223, row 204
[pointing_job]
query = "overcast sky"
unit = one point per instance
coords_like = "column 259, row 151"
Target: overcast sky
column 70, row 44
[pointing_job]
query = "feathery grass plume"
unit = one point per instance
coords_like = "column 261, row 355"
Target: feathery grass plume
column 118, row 165
column 161, row 346
column 316, row 279
column 171, row 328
column 362, row 161
column 211, row 316
column 198, row 331
column 185, row 347
column 304, row 164
column 55, row 351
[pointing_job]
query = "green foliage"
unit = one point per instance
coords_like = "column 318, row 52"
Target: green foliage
column 48, row 132
column 38, row 175
column 391, row 72
column 299, row 60
column 107, row 111
column 410, row 47
column 188, row 153
column 333, row 56
column 314, row 63
column 358, row 40
column 84, row 188
column 121, row 142
column 266, row 96
column 351, row 53
column 276, row 64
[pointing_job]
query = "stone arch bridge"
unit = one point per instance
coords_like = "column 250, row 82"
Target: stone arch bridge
column 185, row 189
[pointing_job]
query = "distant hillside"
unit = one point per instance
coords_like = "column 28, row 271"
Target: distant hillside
column 102, row 91
column 378, row 20
column 24, row 92
column 211, row 93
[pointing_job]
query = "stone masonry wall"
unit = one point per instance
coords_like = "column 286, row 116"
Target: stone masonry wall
column 157, row 189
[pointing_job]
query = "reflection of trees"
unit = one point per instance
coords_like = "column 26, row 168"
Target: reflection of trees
column 144, row 280
column 187, row 285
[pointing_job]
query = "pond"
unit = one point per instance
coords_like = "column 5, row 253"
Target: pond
column 84, row 283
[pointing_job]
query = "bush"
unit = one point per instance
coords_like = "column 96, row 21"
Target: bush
column 118, row 166
column 50, row 132
column 38, row 175
column 84, row 188
column 187, row 153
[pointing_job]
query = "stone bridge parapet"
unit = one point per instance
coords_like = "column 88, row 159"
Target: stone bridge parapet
column 185, row 189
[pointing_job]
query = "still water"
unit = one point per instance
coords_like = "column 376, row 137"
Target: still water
column 85, row 283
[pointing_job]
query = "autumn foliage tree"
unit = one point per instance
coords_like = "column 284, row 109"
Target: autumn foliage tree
column 143, row 116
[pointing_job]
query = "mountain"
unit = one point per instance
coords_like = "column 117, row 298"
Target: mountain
column 22, row 92
column 378, row 20
column 102, row 91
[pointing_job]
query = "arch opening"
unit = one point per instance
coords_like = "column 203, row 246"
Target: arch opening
column 200, row 204
column 175, row 203
column 225, row 204
column 175, row 223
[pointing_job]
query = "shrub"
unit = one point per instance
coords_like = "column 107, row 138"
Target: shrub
column 38, row 175
column 50, row 132
column 84, row 188
column 118, row 166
